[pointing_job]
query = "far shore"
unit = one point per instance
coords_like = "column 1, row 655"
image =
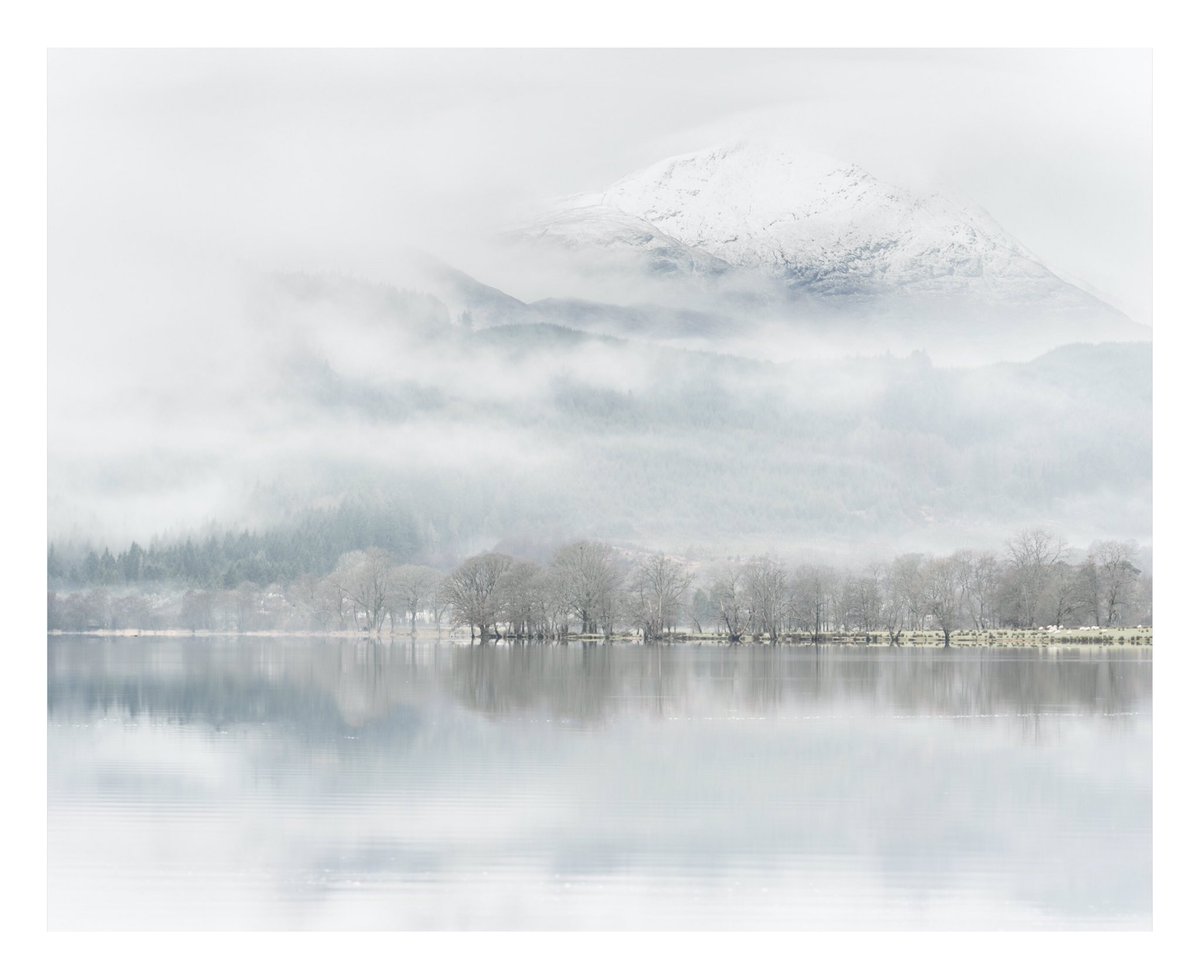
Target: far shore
column 965, row 638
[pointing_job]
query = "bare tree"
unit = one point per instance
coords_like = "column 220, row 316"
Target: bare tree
column 318, row 602
column 1141, row 604
column 1112, row 576
column 729, row 595
column 590, row 581
column 520, row 599
column 439, row 601
column 903, row 596
column 863, row 598
column 410, row 591
column 552, row 606
column 364, row 578
column 1066, row 593
column 943, row 583
column 330, row 600
column 981, row 587
column 813, row 590
column 474, row 592
column 657, row 591
column 768, row 594
column 1031, row 555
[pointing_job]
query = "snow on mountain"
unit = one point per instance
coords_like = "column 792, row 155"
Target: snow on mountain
column 756, row 251
column 824, row 228
column 596, row 229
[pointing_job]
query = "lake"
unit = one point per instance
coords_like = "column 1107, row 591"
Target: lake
column 288, row 783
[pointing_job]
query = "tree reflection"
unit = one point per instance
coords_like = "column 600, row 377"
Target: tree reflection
column 316, row 685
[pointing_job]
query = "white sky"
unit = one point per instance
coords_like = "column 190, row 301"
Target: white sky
column 165, row 165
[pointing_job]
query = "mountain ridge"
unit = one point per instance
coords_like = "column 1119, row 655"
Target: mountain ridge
column 816, row 226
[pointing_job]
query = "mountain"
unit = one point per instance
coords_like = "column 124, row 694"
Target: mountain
column 598, row 232
column 756, row 251
column 745, row 218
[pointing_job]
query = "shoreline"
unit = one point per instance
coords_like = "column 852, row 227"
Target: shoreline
column 961, row 639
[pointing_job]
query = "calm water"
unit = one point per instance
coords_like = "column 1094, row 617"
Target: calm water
column 302, row 784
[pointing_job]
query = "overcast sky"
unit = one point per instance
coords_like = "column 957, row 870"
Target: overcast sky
column 169, row 168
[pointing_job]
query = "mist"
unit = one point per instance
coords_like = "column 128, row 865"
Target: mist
column 282, row 280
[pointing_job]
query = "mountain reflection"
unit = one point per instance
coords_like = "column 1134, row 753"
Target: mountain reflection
column 320, row 686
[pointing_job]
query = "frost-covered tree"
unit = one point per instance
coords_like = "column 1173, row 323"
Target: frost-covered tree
column 410, row 591
column 657, row 591
column 730, row 596
column 1031, row 555
column 364, row 579
column 520, row 600
column 813, row 590
column 981, row 589
column 590, row 580
column 943, row 580
column 768, row 594
column 474, row 592
column 1112, row 576
column 862, row 600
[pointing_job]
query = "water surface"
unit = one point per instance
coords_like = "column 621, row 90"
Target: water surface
column 313, row 784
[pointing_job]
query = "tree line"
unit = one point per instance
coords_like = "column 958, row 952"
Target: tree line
column 311, row 542
column 591, row 588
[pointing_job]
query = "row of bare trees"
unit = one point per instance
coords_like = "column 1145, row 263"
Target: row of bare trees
column 585, row 586
column 590, row 588
column 367, row 590
column 1031, row 584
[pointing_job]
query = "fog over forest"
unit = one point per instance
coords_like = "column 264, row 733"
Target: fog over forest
column 417, row 300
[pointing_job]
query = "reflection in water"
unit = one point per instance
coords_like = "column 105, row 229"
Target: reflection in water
column 288, row 783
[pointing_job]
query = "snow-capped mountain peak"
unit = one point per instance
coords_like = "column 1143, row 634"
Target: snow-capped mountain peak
column 824, row 228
